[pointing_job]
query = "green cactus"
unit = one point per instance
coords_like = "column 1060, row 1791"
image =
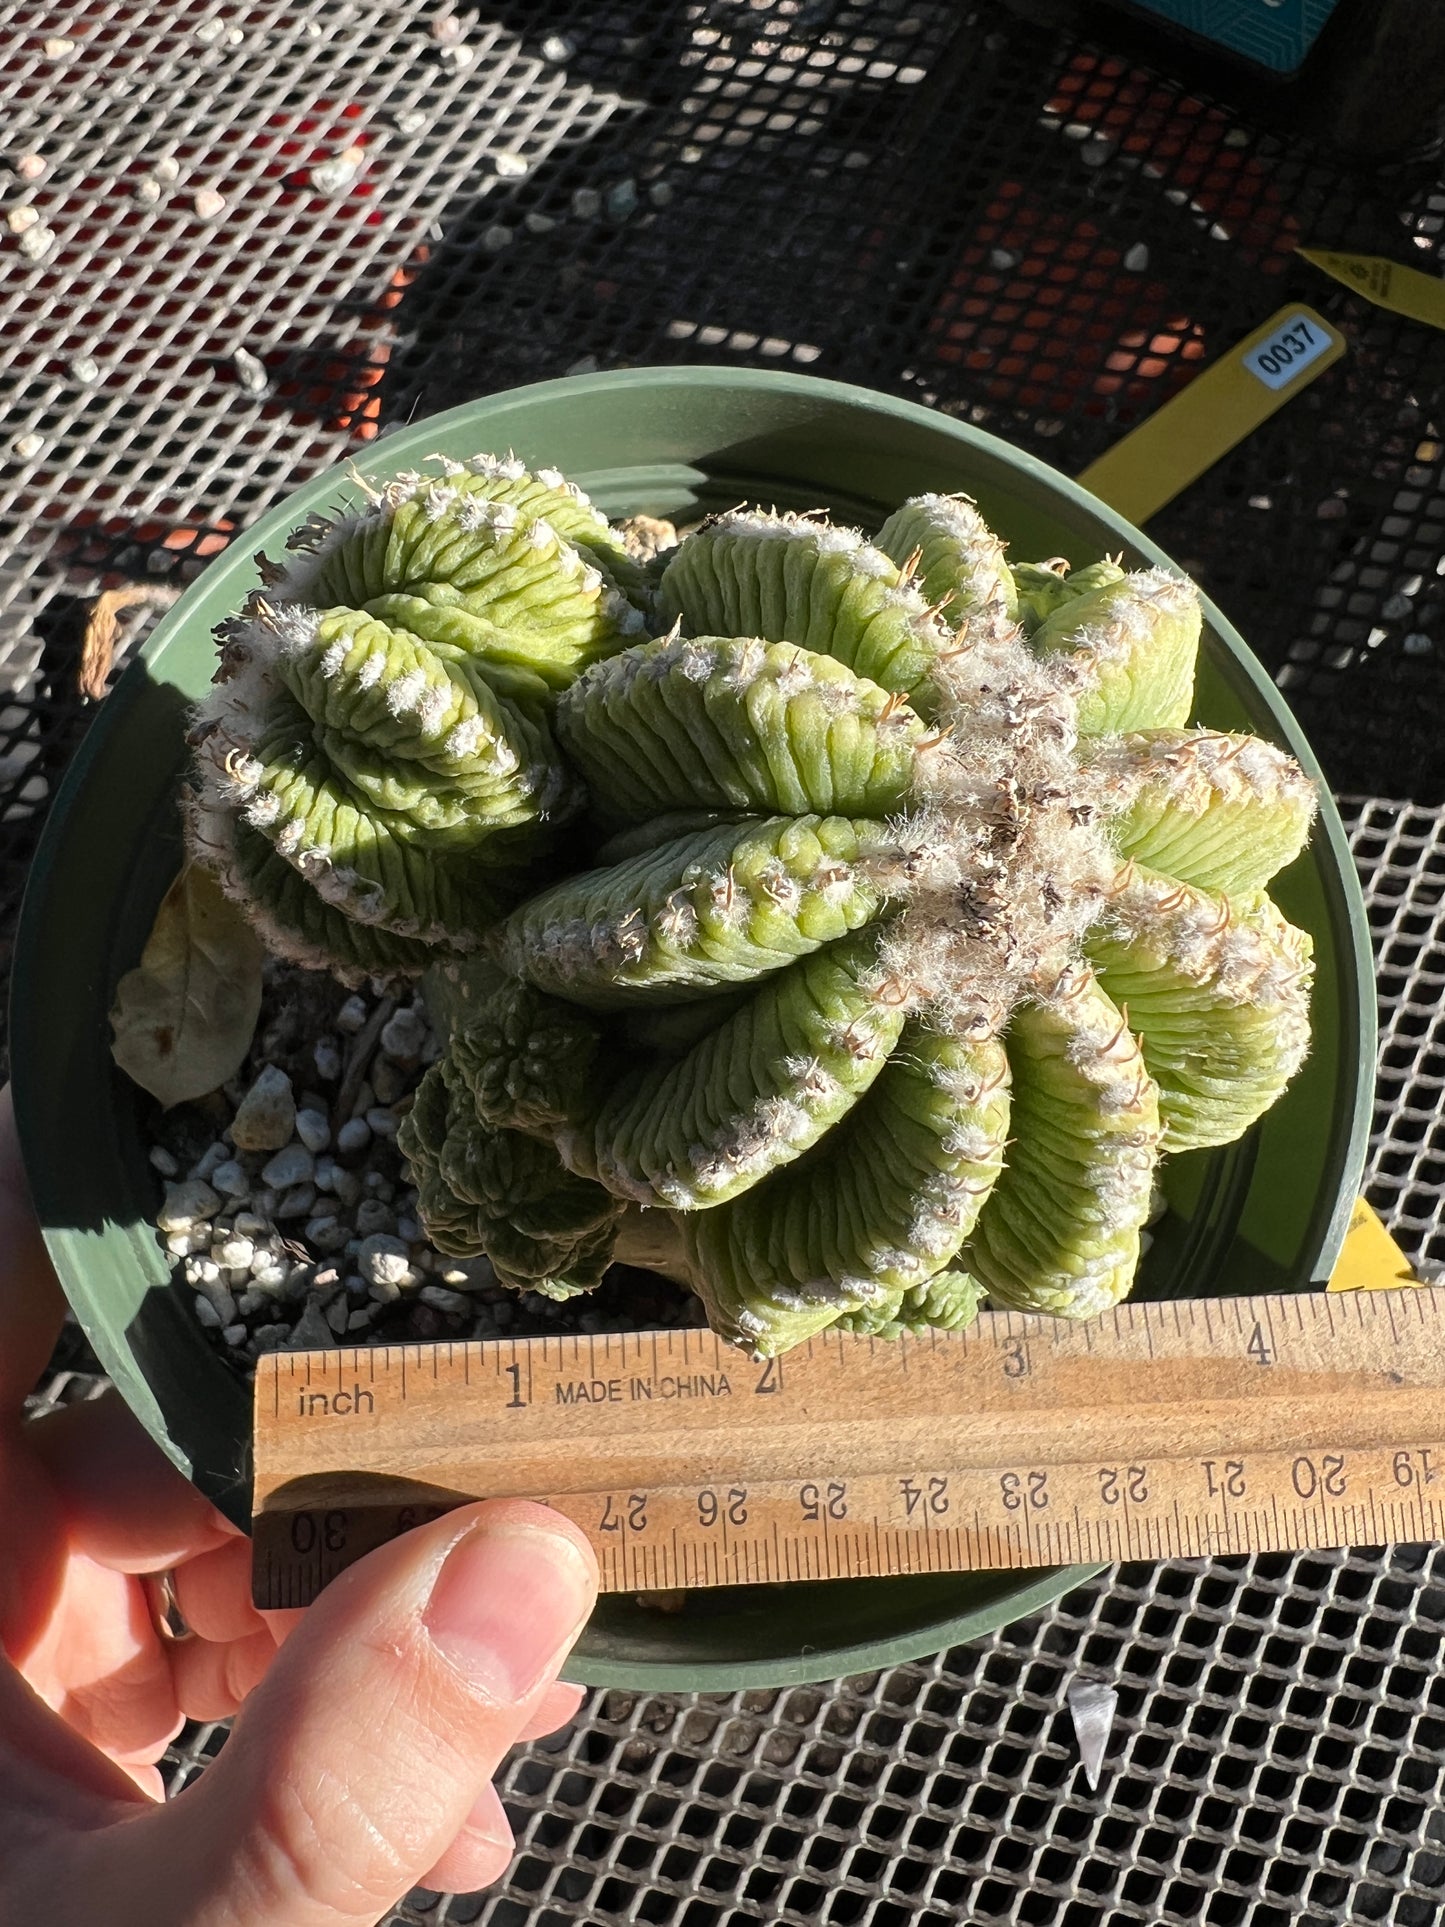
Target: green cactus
column 1224, row 812
column 377, row 778
column 901, row 925
column 1040, row 588
column 505, row 1193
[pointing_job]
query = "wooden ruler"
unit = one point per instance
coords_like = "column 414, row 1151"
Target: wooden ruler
column 1158, row 1430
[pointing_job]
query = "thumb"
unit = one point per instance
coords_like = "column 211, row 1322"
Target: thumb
column 371, row 1744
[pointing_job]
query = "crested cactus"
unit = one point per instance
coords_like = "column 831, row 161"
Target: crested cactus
column 377, row 777
column 902, row 922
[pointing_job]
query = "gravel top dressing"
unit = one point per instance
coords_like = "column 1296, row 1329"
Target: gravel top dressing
column 288, row 1212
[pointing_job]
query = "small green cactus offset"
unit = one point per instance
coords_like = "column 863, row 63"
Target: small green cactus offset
column 843, row 927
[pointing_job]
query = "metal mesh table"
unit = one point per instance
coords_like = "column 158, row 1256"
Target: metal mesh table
column 240, row 242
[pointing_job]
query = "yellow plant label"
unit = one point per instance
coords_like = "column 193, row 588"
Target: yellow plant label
column 1222, row 405
column 1406, row 291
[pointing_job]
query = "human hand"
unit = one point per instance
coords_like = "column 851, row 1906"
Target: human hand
column 360, row 1764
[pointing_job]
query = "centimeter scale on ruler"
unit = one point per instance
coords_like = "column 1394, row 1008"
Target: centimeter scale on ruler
column 1154, row 1431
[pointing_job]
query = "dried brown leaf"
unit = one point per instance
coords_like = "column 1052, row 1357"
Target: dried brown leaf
column 183, row 1019
column 102, row 631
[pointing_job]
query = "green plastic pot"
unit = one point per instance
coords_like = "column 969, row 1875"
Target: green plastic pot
column 1268, row 1213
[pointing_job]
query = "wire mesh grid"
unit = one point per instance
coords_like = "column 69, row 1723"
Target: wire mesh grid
column 240, row 241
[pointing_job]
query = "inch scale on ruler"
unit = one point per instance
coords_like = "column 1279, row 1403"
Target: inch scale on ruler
column 1156, row 1431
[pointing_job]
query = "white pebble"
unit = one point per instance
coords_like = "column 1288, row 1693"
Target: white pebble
column 234, row 1334
column 496, row 237
column 326, row 1234
column 162, row 1161
column 248, row 1303
column 231, row 1178
column 1136, row 259
column 389, row 1080
column 468, row 1274
column 298, row 1202
column 557, row 47
column 510, row 166
column 311, row 1330
column 353, row 1136
column 206, row 1315
column 248, row 1225
column 352, row 1014
column 222, row 1302
column 403, row 1035
column 373, row 1216
column 347, row 1186
column 35, row 245
column 181, row 1243
column 267, row 1114
column 270, row 1278
column 326, row 1056
column 383, row 1123
column 294, row 1165
column 442, row 1299
column 384, row 1294
column 313, row 1129
column 586, row 203
column 187, row 1204
column 385, row 1260
column 213, row 1156
column 200, row 1271
column 236, row 1254
column 333, row 177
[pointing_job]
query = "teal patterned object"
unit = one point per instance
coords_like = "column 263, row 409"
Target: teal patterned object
column 843, row 927
column 1276, row 34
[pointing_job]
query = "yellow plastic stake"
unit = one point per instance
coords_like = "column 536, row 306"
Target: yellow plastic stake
column 1222, row 405
column 1370, row 1259
column 1406, row 291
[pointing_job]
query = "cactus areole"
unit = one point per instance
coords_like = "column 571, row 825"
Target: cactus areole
column 842, row 927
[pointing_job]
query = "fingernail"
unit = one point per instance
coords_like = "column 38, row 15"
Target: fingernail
column 507, row 1604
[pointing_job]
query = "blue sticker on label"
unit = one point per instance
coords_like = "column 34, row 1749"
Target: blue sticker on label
column 1289, row 349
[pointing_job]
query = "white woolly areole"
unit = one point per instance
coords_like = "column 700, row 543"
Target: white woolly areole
column 1002, row 865
column 1198, row 769
column 406, row 692
column 1243, row 955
